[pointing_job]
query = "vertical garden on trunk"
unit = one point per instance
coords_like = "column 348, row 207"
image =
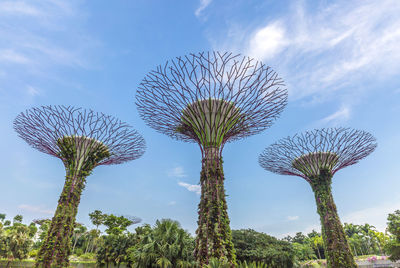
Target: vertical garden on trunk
column 316, row 156
column 83, row 140
column 211, row 98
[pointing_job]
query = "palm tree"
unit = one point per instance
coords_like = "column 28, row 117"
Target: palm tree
column 166, row 245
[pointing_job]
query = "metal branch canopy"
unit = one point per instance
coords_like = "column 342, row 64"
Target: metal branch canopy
column 305, row 154
column 316, row 156
column 48, row 128
column 211, row 98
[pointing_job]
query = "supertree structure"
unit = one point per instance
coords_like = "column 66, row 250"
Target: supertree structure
column 83, row 140
column 316, row 156
column 211, row 98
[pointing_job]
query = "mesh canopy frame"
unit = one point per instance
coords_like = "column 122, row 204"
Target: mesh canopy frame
column 44, row 126
column 349, row 146
column 255, row 89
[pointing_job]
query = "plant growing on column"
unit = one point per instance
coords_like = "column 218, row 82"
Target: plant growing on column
column 316, row 156
column 211, row 98
column 83, row 140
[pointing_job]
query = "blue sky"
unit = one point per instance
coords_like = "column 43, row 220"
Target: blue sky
column 339, row 59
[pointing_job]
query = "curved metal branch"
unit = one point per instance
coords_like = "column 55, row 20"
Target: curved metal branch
column 43, row 128
column 167, row 93
column 332, row 148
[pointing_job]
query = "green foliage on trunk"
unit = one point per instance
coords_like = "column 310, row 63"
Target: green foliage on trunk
column 214, row 237
column 80, row 155
column 337, row 250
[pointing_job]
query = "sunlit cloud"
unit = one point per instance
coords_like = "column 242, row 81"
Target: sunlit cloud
column 202, row 6
column 191, row 187
column 268, row 41
column 324, row 50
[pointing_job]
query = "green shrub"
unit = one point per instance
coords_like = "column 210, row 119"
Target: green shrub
column 33, row 253
column 87, row 257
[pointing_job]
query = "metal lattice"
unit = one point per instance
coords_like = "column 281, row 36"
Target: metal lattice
column 43, row 128
column 211, row 97
column 303, row 154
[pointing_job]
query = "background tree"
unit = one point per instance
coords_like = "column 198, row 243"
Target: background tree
column 211, row 98
column 83, row 140
column 393, row 247
column 16, row 240
column 165, row 245
column 44, row 225
column 97, row 218
column 79, row 231
column 316, row 156
column 252, row 246
column 118, row 224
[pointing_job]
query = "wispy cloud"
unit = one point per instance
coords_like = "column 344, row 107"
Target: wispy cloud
column 17, row 8
column 292, row 218
column 36, row 40
column 35, row 209
column 202, row 6
column 341, row 115
column 191, row 187
column 177, row 172
column 324, row 50
column 32, row 91
column 9, row 55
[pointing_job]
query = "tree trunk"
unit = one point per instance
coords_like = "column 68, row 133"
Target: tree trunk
column 338, row 253
column 56, row 249
column 214, row 237
column 319, row 254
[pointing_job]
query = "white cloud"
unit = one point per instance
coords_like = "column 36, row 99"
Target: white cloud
column 30, row 41
column 267, row 41
column 323, row 50
column 9, row 55
column 18, row 8
column 176, row 172
column 32, row 91
column 190, row 187
column 339, row 116
column 203, row 5
column 292, row 218
column 35, row 209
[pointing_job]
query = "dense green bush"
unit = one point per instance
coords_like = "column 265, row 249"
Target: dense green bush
column 393, row 247
column 252, row 246
column 165, row 245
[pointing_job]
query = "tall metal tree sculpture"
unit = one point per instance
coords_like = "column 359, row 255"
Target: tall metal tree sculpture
column 211, row 98
column 316, row 156
column 83, row 140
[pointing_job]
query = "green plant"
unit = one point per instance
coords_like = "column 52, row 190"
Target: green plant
column 393, row 247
